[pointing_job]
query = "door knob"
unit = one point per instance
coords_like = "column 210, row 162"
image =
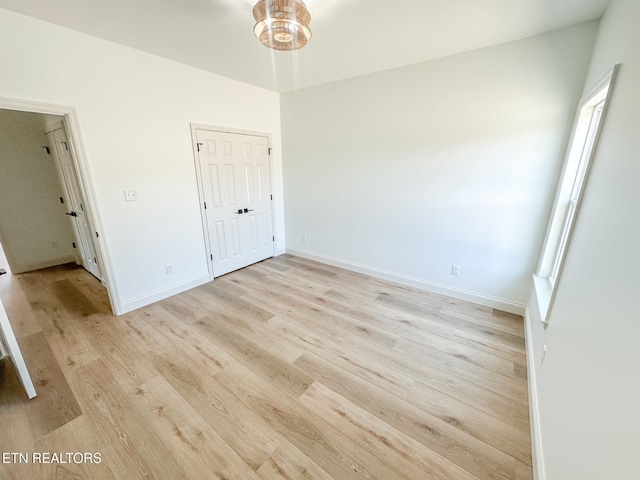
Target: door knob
column 239, row 211
column 71, row 214
column 246, row 210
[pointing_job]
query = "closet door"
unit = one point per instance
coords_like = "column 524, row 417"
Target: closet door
column 76, row 206
column 236, row 185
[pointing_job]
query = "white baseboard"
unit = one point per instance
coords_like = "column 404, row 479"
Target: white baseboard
column 148, row 299
column 537, row 458
column 54, row 262
column 479, row 298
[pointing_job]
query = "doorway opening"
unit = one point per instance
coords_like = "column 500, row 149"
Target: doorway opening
column 46, row 209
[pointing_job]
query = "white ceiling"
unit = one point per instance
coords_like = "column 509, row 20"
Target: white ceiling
column 350, row 37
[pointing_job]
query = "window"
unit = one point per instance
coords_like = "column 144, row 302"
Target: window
column 584, row 138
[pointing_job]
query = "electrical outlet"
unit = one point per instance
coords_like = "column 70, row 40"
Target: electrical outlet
column 305, row 238
column 169, row 268
column 455, row 270
column 131, row 195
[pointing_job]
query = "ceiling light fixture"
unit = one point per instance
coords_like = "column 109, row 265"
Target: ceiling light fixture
column 282, row 24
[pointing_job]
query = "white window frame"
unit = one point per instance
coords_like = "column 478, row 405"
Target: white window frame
column 582, row 147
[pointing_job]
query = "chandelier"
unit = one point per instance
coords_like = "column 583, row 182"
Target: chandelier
column 282, row 24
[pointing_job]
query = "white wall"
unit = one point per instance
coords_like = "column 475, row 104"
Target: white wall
column 134, row 111
column 589, row 385
column 31, row 216
column 453, row 161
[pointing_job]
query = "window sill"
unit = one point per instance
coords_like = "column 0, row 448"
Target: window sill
column 544, row 290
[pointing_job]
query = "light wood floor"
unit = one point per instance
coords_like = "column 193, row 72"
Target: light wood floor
column 288, row 369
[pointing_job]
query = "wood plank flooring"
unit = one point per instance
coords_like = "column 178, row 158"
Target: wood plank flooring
column 288, row 369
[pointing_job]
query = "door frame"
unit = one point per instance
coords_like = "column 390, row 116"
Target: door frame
column 79, row 157
column 196, row 160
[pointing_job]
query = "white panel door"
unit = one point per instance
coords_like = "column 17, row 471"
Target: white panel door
column 9, row 341
column 236, row 186
column 75, row 203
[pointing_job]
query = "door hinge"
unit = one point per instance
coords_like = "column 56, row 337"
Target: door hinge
column 73, row 244
column 205, row 205
column 61, row 200
column 97, row 236
column 82, row 207
column 95, row 260
column 66, row 146
column 211, row 257
column 273, row 238
column 271, row 197
column 47, row 149
column 198, row 146
column 270, row 150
